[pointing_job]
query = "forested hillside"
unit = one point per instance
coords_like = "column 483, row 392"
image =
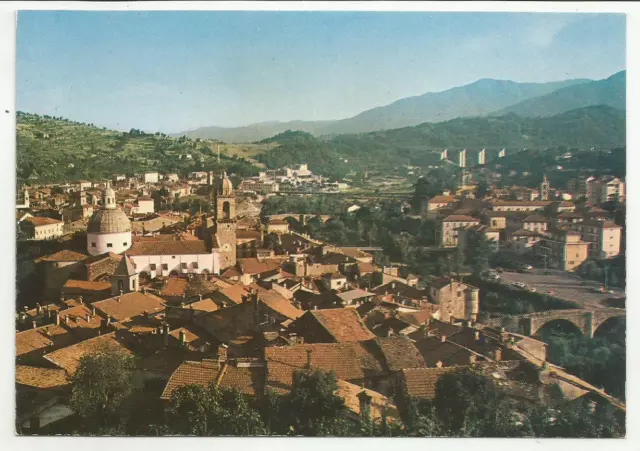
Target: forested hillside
column 53, row 149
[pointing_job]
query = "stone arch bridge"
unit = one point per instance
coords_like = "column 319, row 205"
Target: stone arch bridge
column 587, row 320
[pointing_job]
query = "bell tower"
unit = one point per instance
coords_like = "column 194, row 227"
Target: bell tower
column 225, row 221
column 545, row 187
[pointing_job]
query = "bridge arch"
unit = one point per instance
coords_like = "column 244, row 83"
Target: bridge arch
column 565, row 325
column 607, row 324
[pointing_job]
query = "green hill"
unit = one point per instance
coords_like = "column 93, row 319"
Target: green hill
column 53, row 149
column 598, row 126
column 295, row 147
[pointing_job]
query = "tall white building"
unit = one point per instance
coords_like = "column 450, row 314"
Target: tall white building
column 109, row 229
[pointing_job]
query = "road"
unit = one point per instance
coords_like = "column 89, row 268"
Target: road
column 563, row 285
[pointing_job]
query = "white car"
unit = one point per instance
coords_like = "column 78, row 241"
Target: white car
column 519, row 284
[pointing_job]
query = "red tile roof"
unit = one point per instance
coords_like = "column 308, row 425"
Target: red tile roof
column 349, row 361
column 63, row 256
column 421, row 382
column 41, row 338
column 168, row 248
column 255, row 266
column 69, row 358
column 85, row 285
column 400, row 353
column 343, row 324
column 460, row 218
column 38, row 377
column 247, row 380
column 130, row 305
column 175, row 287
column 42, row 221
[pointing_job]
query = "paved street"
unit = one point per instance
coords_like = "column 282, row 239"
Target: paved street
column 563, row 285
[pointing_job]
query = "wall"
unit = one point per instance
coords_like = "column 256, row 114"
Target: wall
column 120, row 242
column 207, row 262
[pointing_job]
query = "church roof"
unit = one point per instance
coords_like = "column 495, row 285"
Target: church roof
column 109, row 221
column 125, row 268
column 168, row 248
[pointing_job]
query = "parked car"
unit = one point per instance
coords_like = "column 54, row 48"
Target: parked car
column 519, row 284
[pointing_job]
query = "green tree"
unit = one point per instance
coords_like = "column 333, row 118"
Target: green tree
column 99, row 387
column 313, row 405
column 212, row 411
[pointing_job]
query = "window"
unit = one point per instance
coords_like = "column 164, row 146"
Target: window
column 93, row 244
column 124, row 244
column 459, row 293
column 153, row 266
column 109, row 245
column 173, row 257
column 577, row 255
column 165, row 267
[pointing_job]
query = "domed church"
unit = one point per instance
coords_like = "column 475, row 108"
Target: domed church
column 109, row 229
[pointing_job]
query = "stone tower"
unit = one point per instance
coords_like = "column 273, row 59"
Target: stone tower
column 545, row 186
column 225, row 221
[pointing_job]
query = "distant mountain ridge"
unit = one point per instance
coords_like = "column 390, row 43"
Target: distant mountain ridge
column 480, row 98
column 609, row 91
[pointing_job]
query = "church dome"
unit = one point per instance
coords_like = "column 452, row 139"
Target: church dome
column 109, row 221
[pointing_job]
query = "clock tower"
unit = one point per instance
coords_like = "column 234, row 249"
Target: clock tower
column 225, row 221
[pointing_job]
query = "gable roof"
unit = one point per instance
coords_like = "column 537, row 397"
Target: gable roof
column 130, row 305
column 125, row 267
column 421, row 382
column 79, row 286
column 349, row 361
column 38, row 377
column 399, row 353
column 248, row 380
column 460, row 218
column 69, row 358
column 343, row 325
column 63, row 256
column 41, row 338
column 180, row 247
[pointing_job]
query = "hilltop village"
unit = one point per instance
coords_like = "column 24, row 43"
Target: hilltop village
column 224, row 297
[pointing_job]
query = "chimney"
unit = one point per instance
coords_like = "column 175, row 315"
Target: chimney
column 93, row 311
column 439, row 364
column 309, row 352
column 476, row 335
column 108, row 320
column 165, row 333
column 66, row 320
column 118, row 298
column 365, row 404
column 200, row 297
column 222, row 353
column 80, row 300
column 57, row 318
column 472, row 358
column 34, row 324
column 498, row 354
column 443, row 338
column 88, row 317
column 38, row 308
column 183, row 339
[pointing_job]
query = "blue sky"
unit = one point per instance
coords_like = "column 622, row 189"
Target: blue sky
column 171, row 71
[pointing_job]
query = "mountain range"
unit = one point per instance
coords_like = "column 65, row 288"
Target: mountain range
column 484, row 97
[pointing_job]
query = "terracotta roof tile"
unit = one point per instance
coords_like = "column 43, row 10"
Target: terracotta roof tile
column 38, row 377
column 63, row 256
column 130, row 305
column 69, row 358
column 400, row 353
column 42, row 221
column 41, row 338
column 460, row 218
column 73, row 286
column 421, row 382
column 175, row 287
column 247, row 380
column 168, row 248
column 343, row 324
column 349, row 361
column 255, row 266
